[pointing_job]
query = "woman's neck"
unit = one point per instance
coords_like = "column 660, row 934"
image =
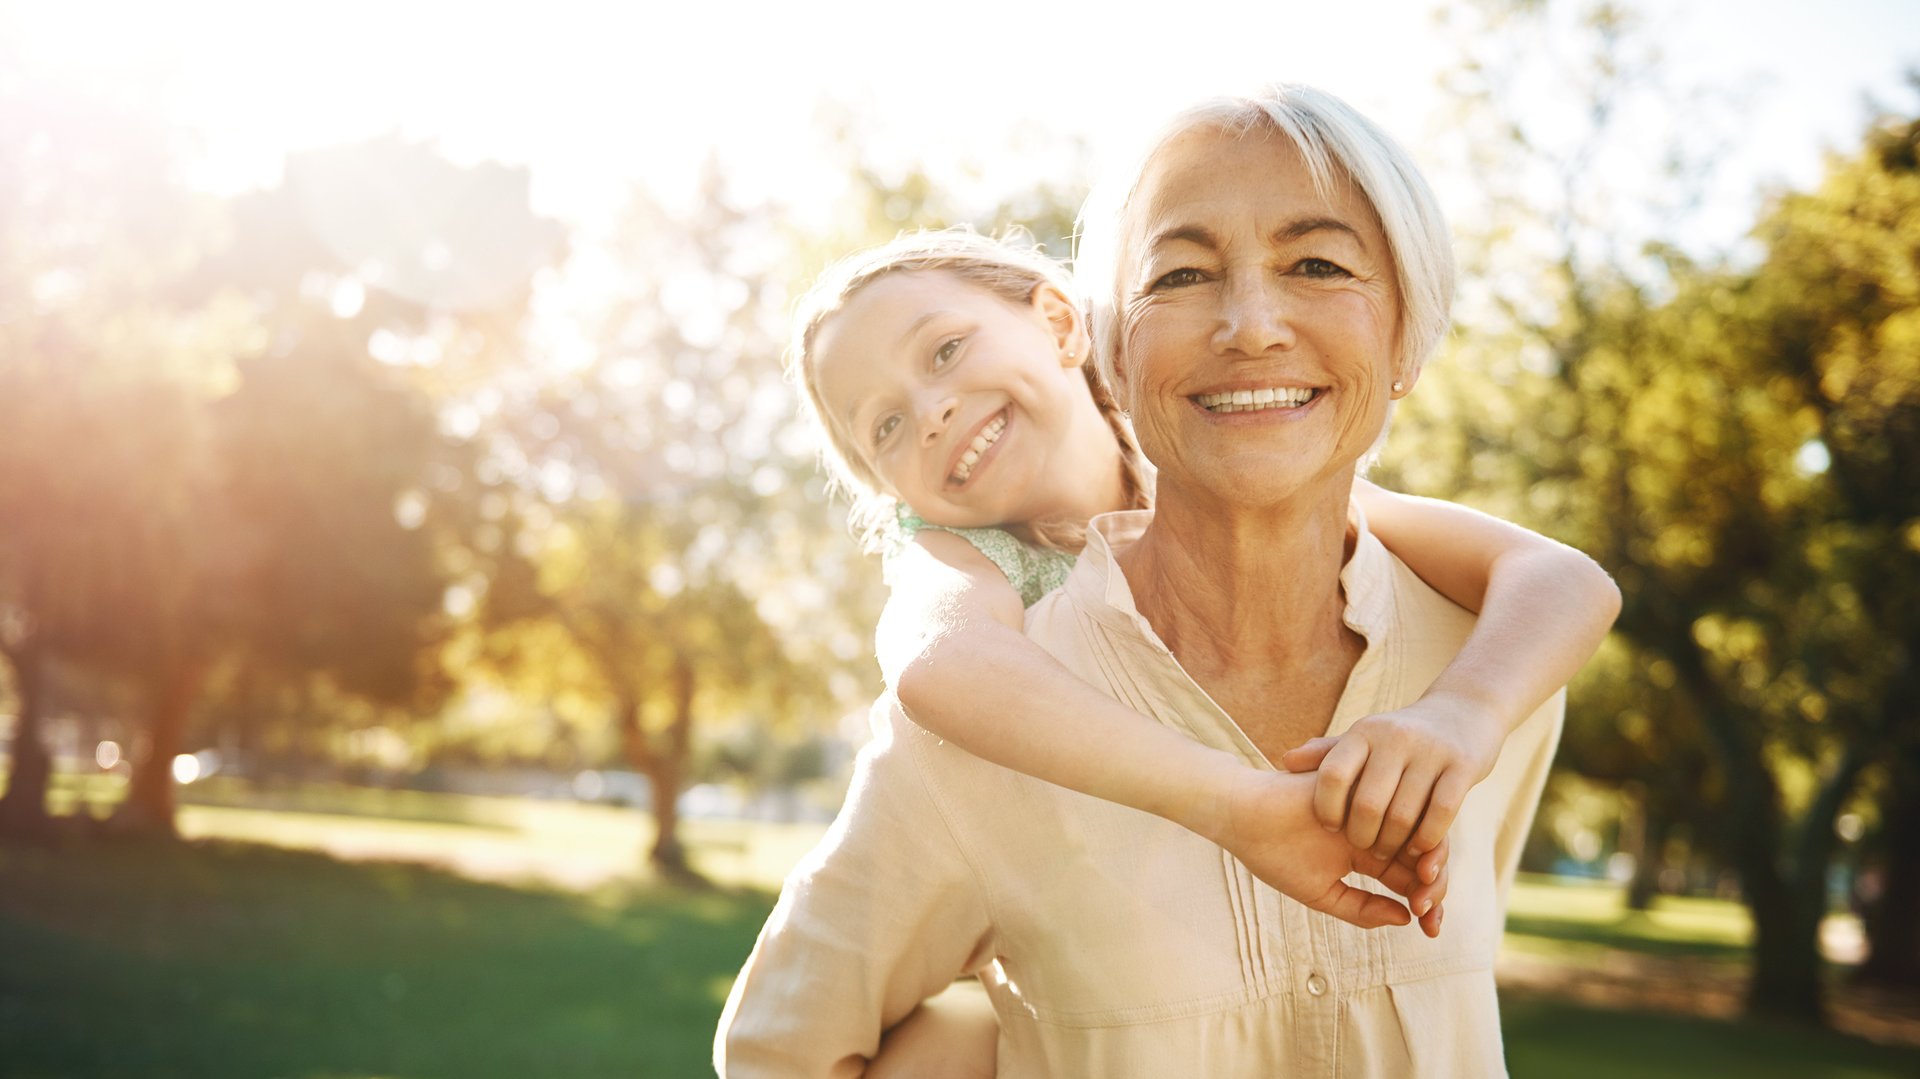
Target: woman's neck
column 1233, row 589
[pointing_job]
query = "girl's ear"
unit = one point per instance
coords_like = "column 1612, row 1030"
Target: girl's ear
column 1068, row 325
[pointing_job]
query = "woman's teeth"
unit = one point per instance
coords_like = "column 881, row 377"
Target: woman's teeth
column 988, row 436
column 1255, row 400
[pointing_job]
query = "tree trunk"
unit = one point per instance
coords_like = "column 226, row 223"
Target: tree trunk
column 149, row 807
column 1650, row 860
column 1893, row 932
column 666, row 854
column 664, row 762
column 1786, row 981
column 671, row 770
column 23, row 808
column 1786, row 957
column 1787, row 969
column 1786, row 945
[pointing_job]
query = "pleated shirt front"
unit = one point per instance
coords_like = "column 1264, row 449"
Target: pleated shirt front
column 1115, row 943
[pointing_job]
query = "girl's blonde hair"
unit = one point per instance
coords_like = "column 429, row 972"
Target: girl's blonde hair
column 1009, row 268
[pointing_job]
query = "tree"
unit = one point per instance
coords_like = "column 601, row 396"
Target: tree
column 680, row 568
column 104, row 366
column 625, row 618
column 218, row 449
column 1659, row 413
column 1838, row 297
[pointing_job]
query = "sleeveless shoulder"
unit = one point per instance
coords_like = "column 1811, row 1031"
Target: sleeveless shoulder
column 1033, row 571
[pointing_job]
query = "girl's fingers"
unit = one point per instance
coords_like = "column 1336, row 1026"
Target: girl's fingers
column 1368, row 910
column 1404, row 813
column 1338, row 769
column 1371, row 797
column 1449, row 791
column 1429, row 866
column 1307, row 756
column 1430, row 921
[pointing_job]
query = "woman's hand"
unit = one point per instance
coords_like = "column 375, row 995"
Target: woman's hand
column 1270, row 827
column 1396, row 780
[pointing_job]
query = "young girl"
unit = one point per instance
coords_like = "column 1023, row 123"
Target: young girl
column 953, row 378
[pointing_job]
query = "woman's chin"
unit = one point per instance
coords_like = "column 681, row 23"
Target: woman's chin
column 1257, row 483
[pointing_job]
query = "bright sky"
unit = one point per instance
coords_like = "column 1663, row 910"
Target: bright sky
column 595, row 96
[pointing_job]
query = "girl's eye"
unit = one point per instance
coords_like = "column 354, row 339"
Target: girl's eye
column 1320, row 268
column 885, row 428
column 1180, row 278
column 945, row 353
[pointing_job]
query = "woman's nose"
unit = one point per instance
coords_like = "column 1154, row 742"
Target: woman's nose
column 1254, row 316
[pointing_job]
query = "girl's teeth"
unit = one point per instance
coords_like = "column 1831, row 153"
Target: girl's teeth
column 988, row 436
column 1252, row 400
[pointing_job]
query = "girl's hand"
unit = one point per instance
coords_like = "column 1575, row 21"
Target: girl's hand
column 1396, row 780
column 1270, row 827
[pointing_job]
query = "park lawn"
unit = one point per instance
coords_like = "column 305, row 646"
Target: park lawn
column 238, row 957
column 1563, row 918
column 218, row 959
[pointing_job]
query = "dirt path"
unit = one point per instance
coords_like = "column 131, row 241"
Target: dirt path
column 1623, row 980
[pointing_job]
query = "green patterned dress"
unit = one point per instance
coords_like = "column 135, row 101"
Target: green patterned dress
column 1033, row 571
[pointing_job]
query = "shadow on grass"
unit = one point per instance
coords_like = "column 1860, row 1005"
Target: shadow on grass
column 211, row 959
column 1631, row 931
column 1558, row 1040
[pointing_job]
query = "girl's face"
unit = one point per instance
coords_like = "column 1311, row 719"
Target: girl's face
column 957, row 399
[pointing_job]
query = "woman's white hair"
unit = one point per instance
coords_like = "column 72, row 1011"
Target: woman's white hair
column 1336, row 142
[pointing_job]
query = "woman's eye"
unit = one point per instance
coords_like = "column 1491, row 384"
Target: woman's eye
column 1320, row 268
column 1180, row 278
column 884, row 428
column 945, row 353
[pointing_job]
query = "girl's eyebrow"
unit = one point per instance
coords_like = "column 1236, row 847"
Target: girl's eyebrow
column 914, row 327
column 857, row 408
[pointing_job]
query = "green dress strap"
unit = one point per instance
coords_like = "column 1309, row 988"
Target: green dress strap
column 1033, row 571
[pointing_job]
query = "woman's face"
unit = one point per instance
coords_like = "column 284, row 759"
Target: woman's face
column 1258, row 319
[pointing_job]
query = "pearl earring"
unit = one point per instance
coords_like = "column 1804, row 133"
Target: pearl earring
column 1399, row 386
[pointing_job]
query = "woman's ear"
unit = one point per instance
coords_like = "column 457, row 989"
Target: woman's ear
column 1405, row 375
column 1068, row 325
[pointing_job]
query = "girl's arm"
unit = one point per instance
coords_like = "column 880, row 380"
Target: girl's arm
column 951, row 643
column 1544, row 608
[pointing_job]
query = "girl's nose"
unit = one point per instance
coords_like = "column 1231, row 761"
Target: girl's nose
column 935, row 417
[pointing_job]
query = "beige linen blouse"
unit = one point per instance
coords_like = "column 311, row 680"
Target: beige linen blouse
column 1112, row 942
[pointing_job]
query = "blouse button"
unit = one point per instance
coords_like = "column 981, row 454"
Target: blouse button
column 1316, row 985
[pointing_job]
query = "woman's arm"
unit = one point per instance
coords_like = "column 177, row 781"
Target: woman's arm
column 1544, row 608
column 951, row 644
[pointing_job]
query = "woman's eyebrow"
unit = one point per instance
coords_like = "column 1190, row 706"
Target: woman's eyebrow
column 1306, row 226
column 1292, row 230
column 1193, row 234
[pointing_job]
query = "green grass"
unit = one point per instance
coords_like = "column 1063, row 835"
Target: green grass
column 1572, row 919
column 218, row 959
column 1556, row 1040
column 236, row 955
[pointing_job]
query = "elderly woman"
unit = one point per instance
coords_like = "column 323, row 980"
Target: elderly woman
column 1279, row 245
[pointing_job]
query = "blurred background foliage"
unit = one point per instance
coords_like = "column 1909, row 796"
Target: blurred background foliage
column 378, row 476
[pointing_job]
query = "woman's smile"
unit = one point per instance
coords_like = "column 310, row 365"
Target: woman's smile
column 1262, row 403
